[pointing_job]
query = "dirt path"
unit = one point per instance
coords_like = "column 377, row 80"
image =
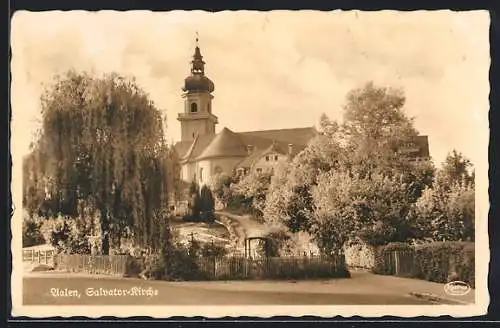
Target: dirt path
column 241, row 227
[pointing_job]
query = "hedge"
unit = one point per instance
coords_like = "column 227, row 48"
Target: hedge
column 440, row 262
column 445, row 261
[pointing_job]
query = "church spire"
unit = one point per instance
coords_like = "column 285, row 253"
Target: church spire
column 197, row 64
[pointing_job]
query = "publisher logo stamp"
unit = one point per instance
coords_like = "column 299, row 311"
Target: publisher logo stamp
column 457, row 288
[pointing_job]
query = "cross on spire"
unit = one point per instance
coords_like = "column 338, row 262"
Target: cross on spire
column 197, row 38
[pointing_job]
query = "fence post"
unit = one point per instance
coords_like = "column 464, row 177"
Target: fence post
column 396, row 263
column 215, row 267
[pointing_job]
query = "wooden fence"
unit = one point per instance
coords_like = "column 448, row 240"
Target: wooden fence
column 400, row 263
column 272, row 268
column 38, row 256
column 96, row 264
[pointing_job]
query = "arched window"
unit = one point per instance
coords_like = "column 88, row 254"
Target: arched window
column 209, row 108
column 218, row 170
column 194, row 108
column 201, row 174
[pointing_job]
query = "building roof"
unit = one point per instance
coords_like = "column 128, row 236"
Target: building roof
column 225, row 144
column 190, row 150
column 230, row 144
column 269, row 146
column 298, row 136
column 418, row 148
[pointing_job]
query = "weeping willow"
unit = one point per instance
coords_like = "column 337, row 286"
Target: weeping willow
column 102, row 143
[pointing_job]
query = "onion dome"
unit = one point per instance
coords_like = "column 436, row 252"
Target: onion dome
column 197, row 81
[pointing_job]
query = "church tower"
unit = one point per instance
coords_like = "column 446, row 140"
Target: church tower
column 197, row 118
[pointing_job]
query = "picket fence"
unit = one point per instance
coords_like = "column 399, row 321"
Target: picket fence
column 236, row 267
column 38, row 256
column 213, row 268
column 95, row 264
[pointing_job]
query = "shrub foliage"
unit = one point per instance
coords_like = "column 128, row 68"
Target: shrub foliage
column 440, row 262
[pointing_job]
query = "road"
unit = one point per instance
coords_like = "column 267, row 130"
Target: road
column 42, row 289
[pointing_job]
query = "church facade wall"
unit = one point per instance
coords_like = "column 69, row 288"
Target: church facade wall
column 211, row 167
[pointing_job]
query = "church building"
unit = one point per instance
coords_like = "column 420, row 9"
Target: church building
column 204, row 153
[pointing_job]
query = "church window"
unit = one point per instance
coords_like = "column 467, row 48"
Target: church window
column 209, row 108
column 275, row 157
column 201, row 174
column 194, row 108
column 267, row 158
column 259, row 170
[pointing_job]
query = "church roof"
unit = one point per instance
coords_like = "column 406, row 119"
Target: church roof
column 225, row 144
column 297, row 136
column 189, row 150
column 202, row 146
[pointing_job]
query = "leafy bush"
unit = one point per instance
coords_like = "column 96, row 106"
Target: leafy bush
column 213, row 250
column 250, row 192
column 31, row 232
column 440, row 262
column 446, row 261
column 75, row 235
column 207, row 204
column 359, row 254
column 446, row 212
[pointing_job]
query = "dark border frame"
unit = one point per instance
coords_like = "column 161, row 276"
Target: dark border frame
column 263, row 5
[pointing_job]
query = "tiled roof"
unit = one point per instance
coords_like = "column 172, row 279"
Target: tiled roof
column 267, row 147
column 226, row 143
column 189, row 150
column 298, row 136
column 234, row 144
column 251, row 159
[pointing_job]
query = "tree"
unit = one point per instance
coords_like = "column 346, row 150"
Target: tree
column 446, row 212
column 289, row 200
column 457, row 169
column 207, row 204
column 221, row 187
column 253, row 190
column 375, row 128
column 351, row 205
column 31, row 232
column 194, row 201
column 102, row 142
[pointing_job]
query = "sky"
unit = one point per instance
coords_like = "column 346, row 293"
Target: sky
column 279, row 69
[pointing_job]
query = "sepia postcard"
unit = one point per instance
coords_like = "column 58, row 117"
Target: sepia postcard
column 258, row 164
